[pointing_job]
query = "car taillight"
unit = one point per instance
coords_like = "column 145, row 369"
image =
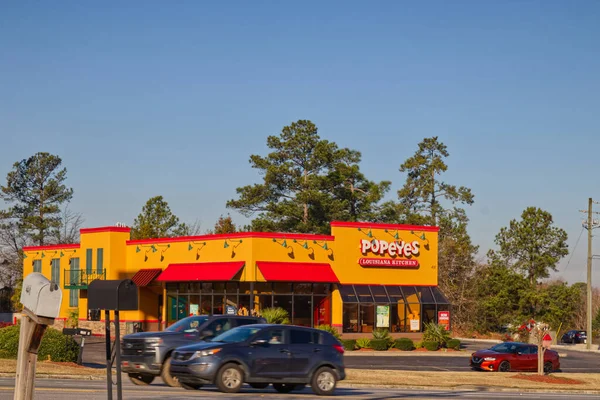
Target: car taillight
column 339, row 348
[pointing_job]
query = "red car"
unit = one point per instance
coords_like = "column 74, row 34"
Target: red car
column 514, row 356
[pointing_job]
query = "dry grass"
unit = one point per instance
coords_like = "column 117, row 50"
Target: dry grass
column 373, row 377
column 457, row 379
column 50, row 368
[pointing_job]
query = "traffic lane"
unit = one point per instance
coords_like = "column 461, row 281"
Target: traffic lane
column 573, row 362
column 75, row 390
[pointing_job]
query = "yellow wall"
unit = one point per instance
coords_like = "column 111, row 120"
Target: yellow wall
column 123, row 258
column 347, row 252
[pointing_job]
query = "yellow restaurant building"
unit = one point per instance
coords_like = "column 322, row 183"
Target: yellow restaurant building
column 364, row 276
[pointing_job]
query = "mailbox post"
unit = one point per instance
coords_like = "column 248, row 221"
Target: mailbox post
column 41, row 301
column 113, row 295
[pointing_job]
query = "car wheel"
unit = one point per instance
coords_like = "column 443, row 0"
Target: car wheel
column 548, row 367
column 504, row 366
column 141, row 379
column 258, row 385
column 284, row 387
column 324, row 381
column 166, row 376
column 230, row 378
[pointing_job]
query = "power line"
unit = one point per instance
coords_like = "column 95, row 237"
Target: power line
column 574, row 248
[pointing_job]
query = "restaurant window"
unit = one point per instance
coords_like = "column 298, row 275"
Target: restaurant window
column 282, row 287
column 99, row 261
column 219, row 287
column 88, row 261
column 321, row 288
column 302, row 288
column 55, row 273
column 37, row 266
column 302, row 310
column 231, row 287
column 350, row 313
column 367, row 317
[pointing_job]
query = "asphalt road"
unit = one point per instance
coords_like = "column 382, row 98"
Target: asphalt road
column 95, row 390
column 575, row 361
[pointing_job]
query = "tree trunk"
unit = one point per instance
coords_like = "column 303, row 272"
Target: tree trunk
column 305, row 216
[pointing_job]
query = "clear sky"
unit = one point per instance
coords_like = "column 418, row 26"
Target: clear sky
column 145, row 98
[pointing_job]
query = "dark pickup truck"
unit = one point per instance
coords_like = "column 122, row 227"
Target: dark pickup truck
column 146, row 355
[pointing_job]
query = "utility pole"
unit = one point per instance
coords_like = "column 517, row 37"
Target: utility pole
column 589, row 225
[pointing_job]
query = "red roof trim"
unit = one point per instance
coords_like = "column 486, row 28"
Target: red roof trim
column 239, row 235
column 52, row 247
column 373, row 225
column 206, row 271
column 274, row 271
column 144, row 276
column 122, row 229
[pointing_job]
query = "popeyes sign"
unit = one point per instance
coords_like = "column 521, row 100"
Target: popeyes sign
column 392, row 249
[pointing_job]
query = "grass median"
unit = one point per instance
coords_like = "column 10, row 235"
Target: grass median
column 425, row 379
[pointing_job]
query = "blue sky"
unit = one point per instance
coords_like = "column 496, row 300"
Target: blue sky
column 171, row 98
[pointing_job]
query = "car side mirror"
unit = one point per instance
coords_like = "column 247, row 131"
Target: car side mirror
column 259, row 342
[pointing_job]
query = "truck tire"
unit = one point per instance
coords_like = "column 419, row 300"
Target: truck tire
column 166, row 376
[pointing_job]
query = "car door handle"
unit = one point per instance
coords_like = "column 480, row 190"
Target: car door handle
column 284, row 351
column 316, row 350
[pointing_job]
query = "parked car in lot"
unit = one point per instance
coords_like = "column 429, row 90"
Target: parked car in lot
column 288, row 357
column 574, row 336
column 146, row 355
column 514, row 356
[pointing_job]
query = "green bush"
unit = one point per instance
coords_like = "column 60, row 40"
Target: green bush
column 349, row 344
column 276, row 316
column 431, row 346
column 453, row 344
column 380, row 344
column 55, row 346
column 363, row 343
column 382, row 334
column 436, row 333
column 405, row 344
column 330, row 329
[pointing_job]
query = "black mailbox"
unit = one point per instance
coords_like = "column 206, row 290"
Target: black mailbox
column 77, row 332
column 121, row 295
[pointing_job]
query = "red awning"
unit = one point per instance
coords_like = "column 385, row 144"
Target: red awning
column 297, row 272
column 144, row 276
column 208, row 271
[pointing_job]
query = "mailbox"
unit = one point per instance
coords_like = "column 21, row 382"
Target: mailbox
column 77, row 332
column 119, row 295
column 41, row 296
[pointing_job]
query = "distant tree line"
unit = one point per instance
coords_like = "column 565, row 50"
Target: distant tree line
column 308, row 181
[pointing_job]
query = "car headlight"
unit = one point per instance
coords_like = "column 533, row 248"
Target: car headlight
column 489, row 359
column 206, row 353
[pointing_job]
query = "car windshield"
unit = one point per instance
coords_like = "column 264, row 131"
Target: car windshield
column 505, row 348
column 236, row 335
column 187, row 325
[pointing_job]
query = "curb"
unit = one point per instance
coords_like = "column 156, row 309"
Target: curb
column 59, row 376
column 469, row 388
column 555, row 346
column 406, row 354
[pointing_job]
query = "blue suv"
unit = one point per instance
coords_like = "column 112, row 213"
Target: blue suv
column 288, row 357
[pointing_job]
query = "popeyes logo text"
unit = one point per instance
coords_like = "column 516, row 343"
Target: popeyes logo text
column 393, row 249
